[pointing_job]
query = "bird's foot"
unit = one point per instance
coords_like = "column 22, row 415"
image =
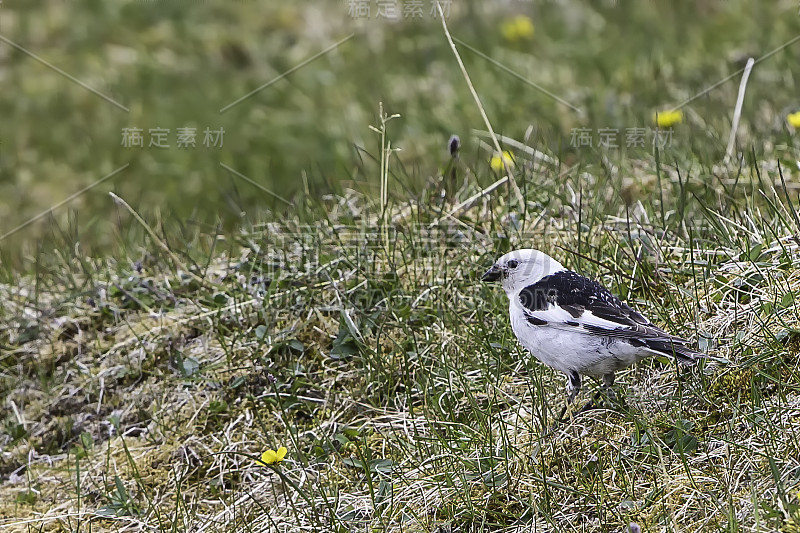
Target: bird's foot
column 568, row 413
column 571, row 411
column 606, row 398
column 603, row 399
column 588, row 406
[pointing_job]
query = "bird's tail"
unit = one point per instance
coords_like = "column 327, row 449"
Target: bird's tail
column 674, row 348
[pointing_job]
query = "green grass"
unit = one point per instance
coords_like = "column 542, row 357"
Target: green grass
column 146, row 363
column 176, row 64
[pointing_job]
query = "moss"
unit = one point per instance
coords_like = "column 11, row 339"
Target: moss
column 735, row 383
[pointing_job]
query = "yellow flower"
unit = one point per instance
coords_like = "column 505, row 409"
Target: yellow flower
column 271, row 457
column 794, row 119
column 496, row 162
column 667, row 119
column 517, row 28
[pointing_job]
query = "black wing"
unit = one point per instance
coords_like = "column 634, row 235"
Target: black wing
column 577, row 294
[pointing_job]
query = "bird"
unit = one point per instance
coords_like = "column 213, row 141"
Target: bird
column 575, row 325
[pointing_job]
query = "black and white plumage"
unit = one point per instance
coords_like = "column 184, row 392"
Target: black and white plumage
column 574, row 324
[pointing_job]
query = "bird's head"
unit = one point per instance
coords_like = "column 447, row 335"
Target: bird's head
column 520, row 268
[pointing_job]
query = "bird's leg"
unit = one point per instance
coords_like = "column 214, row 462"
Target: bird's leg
column 605, row 390
column 608, row 383
column 573, row 388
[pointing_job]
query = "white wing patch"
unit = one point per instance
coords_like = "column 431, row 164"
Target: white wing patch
column 590, row 324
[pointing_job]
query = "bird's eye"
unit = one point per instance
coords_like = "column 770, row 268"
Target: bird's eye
column 513, row 263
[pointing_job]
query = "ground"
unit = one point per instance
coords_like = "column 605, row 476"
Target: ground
column 151, row 352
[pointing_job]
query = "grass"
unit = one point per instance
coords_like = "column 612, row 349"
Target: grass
column 174, row 65
column 143, row 397
column 147, row 359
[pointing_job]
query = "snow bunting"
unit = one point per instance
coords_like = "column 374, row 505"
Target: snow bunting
column 574, row 324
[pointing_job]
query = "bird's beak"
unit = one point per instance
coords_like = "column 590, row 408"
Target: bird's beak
column 493, row 274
